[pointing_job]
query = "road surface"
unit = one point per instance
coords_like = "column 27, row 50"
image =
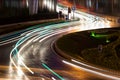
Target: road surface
column 32, row 56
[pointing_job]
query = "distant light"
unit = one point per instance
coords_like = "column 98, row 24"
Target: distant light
column 92, row 34
column 53, row 78
column 27, row 3
column 42, row 78
column 92, row 71
column 107, row 41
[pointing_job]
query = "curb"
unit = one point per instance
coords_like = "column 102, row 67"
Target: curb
column 69, row 58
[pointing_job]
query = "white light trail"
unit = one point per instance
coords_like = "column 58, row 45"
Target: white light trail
column 27, row 3
column 85, row 64
column 89, row 70
column 43, row 78
column 53, row 78
column 86, row 22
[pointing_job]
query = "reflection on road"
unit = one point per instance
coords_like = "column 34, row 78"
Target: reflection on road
column 32, row 56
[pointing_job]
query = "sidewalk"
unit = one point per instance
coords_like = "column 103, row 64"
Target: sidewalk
column 9, row 28
column 113, row 19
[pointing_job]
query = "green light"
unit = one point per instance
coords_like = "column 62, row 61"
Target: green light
column 107, row 41
column 93, row 34
column 52, row 71
column 97, row 35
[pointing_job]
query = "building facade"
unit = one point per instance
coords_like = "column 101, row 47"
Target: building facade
column 100, row 6
column 28, row 6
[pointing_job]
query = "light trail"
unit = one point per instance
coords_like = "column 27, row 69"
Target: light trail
column 30, row 35
column 85, row 64
column 88, row 21
column 42, row 33
column 95, row 72
column 52, row 71
column 53, row 78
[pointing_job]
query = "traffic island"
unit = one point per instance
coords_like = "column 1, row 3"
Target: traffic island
column 98, row 47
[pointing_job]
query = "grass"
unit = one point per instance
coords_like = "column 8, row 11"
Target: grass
column 83, row 45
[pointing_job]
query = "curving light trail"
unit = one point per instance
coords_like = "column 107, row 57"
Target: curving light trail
column 89, row 70
column 43, row 33
column 40, row 34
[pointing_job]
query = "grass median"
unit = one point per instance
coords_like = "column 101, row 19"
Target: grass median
column 99, row 47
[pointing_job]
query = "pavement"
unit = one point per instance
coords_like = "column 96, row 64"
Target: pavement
column 113, row 19
column 10, row 28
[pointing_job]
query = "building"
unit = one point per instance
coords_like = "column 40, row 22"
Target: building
column 30, row 6
column 36, row 6
column 110, row 7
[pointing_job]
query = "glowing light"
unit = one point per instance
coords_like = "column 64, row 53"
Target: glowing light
column 52, row 71
column 27, row 3
column 107, row 41
column 42, row 78
column 97, row 35
column 42, row 30
column 92, row 34
column 84, row 64
column 89, row 70
column 10, row 69
column 86, row 22
column 53, row 78
column 49, row 5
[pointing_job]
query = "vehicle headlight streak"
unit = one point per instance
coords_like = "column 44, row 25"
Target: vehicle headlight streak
column 52, row 71
column 42, row 38
column 43, row 33
column 15, row 53
column 90, row 21
column 99, row 73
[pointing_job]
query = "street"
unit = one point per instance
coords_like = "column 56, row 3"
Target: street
column 31, row 57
